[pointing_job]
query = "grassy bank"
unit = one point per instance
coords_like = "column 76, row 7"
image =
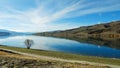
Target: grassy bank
column 10, row 60
column 66, row 56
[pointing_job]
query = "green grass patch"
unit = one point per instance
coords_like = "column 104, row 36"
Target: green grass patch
column 65, row 55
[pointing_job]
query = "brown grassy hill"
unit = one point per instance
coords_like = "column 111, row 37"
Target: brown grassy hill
column 111, row 29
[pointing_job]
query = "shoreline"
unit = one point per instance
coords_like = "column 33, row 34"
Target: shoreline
column 8, row 60
column 63, row 59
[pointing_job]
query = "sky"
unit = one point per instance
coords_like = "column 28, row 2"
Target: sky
column 51, row 15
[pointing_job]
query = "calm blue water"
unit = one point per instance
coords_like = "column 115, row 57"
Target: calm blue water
column 61, row 45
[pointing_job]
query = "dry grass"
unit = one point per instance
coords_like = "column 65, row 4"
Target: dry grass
column 66, row 56
column 67, row 65
column 5, row 54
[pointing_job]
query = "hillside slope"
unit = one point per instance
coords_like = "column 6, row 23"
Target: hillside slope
column 111, row 29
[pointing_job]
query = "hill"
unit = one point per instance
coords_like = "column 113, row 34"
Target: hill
column 11, row 33
column 4, row 32
column 110, row 29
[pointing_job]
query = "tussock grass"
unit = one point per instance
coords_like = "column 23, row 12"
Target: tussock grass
column 66, row 56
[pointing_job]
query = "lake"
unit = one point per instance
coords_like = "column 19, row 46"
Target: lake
column 90, row 47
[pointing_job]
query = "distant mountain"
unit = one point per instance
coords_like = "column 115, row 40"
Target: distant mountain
column 111, row 29
column 4, row 32
column 11, row 33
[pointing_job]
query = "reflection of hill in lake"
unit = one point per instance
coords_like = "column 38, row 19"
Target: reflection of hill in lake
column 4, row 34
column 109, row 42
column 3, row 37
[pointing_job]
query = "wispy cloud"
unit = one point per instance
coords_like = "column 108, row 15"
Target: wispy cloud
column 43, row 16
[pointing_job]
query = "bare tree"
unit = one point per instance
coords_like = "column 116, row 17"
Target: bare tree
column 28, row 43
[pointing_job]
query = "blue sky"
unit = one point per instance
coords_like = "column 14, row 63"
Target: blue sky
column 50, row 15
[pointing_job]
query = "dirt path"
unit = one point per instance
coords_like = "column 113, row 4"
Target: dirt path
column 59, row 59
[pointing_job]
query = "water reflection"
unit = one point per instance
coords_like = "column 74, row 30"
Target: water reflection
column 83, row 46
column 109, row 42
column 3, row 37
